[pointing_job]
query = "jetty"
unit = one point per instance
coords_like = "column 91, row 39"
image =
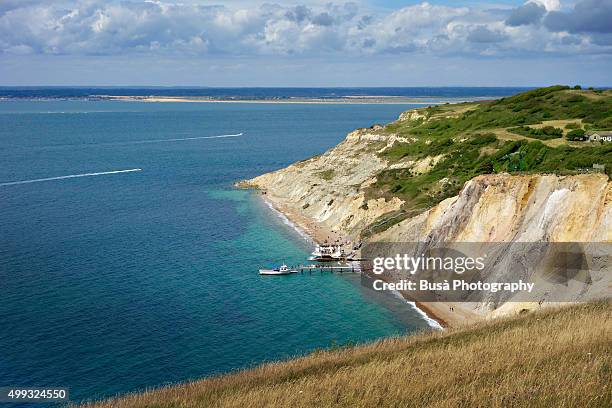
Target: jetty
column 352, row 268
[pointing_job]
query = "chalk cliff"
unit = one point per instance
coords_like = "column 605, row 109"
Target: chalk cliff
column 523, row 208
column 331, row 188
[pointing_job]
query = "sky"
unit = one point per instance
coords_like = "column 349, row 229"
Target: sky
column 305, row 43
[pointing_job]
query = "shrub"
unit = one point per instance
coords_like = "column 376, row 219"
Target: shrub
column 545, row 133
column 577, row 134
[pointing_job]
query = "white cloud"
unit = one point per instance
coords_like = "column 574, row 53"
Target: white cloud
column 97, row 27
column 549, row 4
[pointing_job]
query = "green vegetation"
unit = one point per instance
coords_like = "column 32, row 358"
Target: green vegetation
column 523, row 109
column 554, row 358
column 545, row 133
column 477, row 139
column 576, row 134
column 571, row 126
column 462, row 161
column 327, row 175
column 535, row 157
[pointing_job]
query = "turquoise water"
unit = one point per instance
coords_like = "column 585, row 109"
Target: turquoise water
column 118, row 282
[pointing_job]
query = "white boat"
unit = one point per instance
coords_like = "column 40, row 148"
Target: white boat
column 281, row 270
column 327, row 253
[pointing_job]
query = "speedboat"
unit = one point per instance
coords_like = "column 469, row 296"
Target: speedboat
column 281, row 270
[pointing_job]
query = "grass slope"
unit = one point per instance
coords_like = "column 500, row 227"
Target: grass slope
column 551, row 358
column 482, row 138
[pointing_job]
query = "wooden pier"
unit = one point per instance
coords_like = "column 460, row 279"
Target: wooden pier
column 328, row 268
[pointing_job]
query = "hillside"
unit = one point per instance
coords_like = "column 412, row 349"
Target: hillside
column 551, row 358
column 472, row 139
column 382, row 175
column 461, row 173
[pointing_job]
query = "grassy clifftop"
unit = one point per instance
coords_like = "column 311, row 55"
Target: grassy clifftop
column 451, row 144
column 547, row 359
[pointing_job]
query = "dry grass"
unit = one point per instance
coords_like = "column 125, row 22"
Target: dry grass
column 504, row 134
column 551, row 358
column 561, row 123
column 590, row 94
column 453, row 110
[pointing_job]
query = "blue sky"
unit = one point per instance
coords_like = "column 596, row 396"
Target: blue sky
column 305, row 42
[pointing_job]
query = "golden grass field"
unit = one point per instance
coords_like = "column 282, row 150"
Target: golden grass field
column 552, row 358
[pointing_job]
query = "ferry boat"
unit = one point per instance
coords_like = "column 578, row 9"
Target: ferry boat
column 281, row 270
column 328, row 253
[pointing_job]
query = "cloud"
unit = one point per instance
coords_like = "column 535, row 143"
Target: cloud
column 482, row 34
column 124, row 28
column 549, row 4
column 529, row 13
column 592, row 18
column 588, row 16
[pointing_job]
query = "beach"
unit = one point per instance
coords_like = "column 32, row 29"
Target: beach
column 446, row 314
column 308, row 228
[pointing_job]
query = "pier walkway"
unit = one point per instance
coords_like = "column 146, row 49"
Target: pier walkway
column 353, row 268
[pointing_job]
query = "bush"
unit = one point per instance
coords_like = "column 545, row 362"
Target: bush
column 577, row 134
column 485, row 139
column 545, row 133
column 552, row 131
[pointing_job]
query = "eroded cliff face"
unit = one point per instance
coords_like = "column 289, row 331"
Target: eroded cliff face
column 523, row 208
column 330, row 188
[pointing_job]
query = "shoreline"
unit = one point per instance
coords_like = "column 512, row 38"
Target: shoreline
column 307, row 228
column 312, row 231
column 342, row 100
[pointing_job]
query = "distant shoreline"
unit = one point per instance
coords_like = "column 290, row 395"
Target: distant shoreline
column 348, row 100
column 341, row 100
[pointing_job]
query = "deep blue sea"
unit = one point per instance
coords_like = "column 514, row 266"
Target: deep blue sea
column 113, row 283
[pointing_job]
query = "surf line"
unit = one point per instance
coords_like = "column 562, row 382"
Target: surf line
column 178, row 139
column 101, row 173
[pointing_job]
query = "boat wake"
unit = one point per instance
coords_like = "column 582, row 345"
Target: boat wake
column 102, row 173
column 181, row 139
column 132, row 142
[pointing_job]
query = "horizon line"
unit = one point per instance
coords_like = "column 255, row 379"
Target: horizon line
column 277, row 87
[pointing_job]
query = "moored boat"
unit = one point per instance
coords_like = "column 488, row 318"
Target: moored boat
column 281, row 270
column 328, row 253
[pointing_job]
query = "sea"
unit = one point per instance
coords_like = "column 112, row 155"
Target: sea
column 129, row 261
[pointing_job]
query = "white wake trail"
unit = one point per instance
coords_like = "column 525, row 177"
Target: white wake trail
column 179, row 139
column 102, row 173
column 135, row 142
